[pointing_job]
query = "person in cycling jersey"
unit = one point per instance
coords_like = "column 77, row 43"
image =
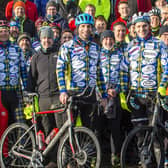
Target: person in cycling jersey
column 155, row 17
column 110, row 60
column 12, row 72
column 78, row 66
column 144, row 72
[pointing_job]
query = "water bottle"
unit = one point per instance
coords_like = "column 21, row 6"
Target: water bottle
column 41, row 140
column 51, row 135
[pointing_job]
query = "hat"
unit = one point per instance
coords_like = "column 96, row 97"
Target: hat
column 106, row 33
column 24, row 35
column 4, row 23
column 52, row 3
column 46, row 31
column 19, row 3
column 141, row 17
column 163, row 29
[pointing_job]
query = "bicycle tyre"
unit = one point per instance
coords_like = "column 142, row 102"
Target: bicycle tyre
column 90, row 150
column 9, row 138
column 132, row 136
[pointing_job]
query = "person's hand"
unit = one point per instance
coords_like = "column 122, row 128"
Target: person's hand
column 112, row 92
column 104, row 102
column 63, row 98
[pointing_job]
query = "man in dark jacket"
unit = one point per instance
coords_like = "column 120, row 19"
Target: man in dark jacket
column 42, row 79
column 52, row 15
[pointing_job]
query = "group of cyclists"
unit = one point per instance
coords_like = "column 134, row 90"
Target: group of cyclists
column 58, row 56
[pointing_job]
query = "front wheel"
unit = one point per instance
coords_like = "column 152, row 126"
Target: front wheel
column 142, row 148
column 87, row 150
column 11, row 141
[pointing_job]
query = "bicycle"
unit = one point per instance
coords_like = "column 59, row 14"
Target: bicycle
column 78, row 146
column 149, row 151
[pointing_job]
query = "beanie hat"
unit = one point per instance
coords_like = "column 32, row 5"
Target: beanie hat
column 163, row 29
column 19, row 3
column 24, row 35
column 106, row 33
column 46, row 31
column 52, row 3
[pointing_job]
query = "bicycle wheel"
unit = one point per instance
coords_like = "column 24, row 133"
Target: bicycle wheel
column 87, row 152
column 8, row 144
column 145, row 152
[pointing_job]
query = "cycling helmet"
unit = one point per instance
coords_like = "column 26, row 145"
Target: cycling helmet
column 140, row 17
column 155, row 12
column 84, row 18
column 4, row 23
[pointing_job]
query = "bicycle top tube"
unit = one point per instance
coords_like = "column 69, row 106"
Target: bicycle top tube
column 51, row 111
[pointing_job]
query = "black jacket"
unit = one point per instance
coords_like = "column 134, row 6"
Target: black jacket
column 42, row 74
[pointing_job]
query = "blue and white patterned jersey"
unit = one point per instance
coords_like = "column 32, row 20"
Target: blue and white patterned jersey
column 146, row 65
column 78, row 66
column 12, row 67
column 110, row 65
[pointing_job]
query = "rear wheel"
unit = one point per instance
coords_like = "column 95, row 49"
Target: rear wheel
column 8, row 144
column 87, row 150
column 144, row 152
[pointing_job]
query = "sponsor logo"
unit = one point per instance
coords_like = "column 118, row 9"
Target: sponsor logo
column 77, row 64
column 148, row 69
column 14, row 69
column 79, row 76
column 81, row 84
column 149, row 46
column 92, row 83
column 134, row 76
column 13, row 81
column 2, row 83
column 150, row 53
column 2, row 66
column 12, row 50
column 148, row 83
column 2, row 76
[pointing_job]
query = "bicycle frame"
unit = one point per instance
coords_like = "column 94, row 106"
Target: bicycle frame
column 67, row 125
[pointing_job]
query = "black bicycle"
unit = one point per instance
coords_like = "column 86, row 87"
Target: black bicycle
column 148, row 151
column 78, row 146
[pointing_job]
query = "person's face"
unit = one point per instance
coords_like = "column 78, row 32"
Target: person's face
column 24, row 44
column 19, row 11
column 132, row 31
column 164, row 38
column 119, row 33
column 4, row 34
column 67, row 36
column 90, row 10
column 142, row 29
column 46, row 42
column 108, row 43
column 100, row 26
column 14, row 31
column 160, row 3
column 56, row 33
column 164, row 14
column 124, row 10
column 51, row 10
column 84, row 31
column 155, row 21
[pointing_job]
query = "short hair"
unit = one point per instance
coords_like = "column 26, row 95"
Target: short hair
column 122, row 2
column 67, row 30
column 101, row 18
column 119, row 23
column 91, row 6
